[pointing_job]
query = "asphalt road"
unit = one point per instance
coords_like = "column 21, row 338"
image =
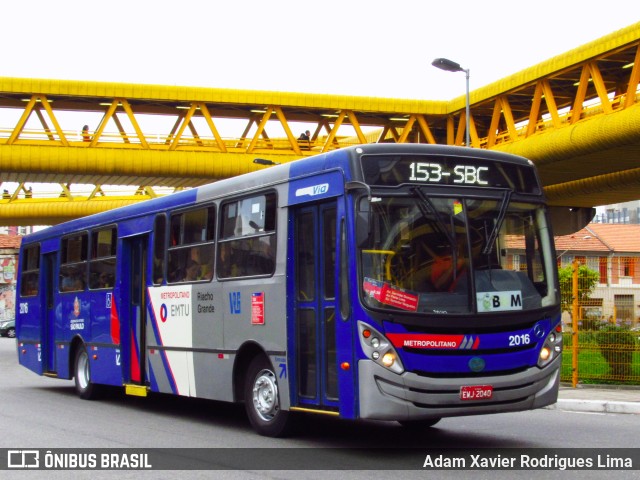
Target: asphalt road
column 45, row 413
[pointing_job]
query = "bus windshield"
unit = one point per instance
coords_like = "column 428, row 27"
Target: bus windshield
column 455, row 255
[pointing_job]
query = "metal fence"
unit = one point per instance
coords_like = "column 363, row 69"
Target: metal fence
column 601, row 331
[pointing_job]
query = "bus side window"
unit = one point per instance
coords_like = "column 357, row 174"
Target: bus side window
column 191, row 258
column 102, row 266
column 73, row 263
column 30, row 271
column 247, row 237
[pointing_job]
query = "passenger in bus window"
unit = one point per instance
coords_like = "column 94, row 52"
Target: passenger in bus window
column 206, row 269
column 104, row 281
column 227, row 265
column 206, row 272
column 262, row 258
column 72, row 282
column 192, row 272
column 158, row 270
column 30, row 287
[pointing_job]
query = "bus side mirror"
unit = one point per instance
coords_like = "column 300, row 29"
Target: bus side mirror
column 363, row 223
column 363, row 213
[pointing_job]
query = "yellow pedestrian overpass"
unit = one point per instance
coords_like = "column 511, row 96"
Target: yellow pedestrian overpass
column 577, row 116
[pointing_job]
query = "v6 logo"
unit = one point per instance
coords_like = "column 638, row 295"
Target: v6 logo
column 234, row 303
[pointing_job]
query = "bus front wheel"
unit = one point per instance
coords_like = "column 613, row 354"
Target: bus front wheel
column 84, row 387
column 262, row 401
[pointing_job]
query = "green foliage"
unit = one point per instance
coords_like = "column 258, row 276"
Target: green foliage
column 609, row 355
column 587, row 282
column 616, row 346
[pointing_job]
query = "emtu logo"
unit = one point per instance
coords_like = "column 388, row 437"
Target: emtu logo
column 313, row 191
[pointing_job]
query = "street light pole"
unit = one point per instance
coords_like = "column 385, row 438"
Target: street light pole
column 450, row 66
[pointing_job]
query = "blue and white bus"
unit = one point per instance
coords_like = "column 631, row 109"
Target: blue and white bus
column 391, row 282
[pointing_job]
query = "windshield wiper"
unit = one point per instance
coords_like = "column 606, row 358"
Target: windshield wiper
column 427, row 208
column 488, row 248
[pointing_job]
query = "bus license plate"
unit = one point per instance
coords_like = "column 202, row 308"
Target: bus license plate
column 476, row 392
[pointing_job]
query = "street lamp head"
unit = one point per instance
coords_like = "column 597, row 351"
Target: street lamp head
column 451, row 66
column 447, row 65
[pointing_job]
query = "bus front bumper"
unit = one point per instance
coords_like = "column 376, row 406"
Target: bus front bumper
column 387, row 396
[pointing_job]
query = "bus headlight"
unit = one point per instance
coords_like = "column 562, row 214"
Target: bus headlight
column 378, row 348
column 389, row 359
column 551, row 348
column 545, row 353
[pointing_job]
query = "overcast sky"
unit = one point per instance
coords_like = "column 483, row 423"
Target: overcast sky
column 352, row 47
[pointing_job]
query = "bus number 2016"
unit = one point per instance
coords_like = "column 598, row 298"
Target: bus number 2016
column 517, row 340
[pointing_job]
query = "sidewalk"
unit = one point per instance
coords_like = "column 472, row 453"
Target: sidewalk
column 599, row 399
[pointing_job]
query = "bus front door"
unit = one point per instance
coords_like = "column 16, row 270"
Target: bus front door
column 314, row 306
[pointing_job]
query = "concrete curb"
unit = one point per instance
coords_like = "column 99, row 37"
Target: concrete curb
column 597, row 406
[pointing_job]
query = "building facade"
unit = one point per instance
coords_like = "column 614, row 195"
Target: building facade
column 9, row 248
column 625, row 213
column 612, row 250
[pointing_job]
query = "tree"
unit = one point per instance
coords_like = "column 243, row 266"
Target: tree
column 587, row 282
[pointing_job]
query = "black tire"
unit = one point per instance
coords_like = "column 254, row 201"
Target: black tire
column 417, row 425
column 262, row 400
column 85, row 388
column 11, row 333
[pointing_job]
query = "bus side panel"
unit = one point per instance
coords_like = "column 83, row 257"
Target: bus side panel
column 194, row 352
column 169, row 339
column 101, row 302
column 198, row 329
column 160, row 374
column 28, row 318
column 28, row 333
column 29, row 329
column 104, row 352
column 233, row 314
column 73, row 319
column 213, row 365
column 30, row 356
column 105, row 365
column 256, row 312
column 160, row 345
column 64, row 361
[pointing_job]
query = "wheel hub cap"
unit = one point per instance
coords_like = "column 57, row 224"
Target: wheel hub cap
column 265, row 395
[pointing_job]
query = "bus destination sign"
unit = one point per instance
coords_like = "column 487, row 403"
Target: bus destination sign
column 436, row 173
column 392, row 170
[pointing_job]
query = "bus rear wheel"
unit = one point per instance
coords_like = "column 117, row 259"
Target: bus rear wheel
column 85, row 388
column 262, row 400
